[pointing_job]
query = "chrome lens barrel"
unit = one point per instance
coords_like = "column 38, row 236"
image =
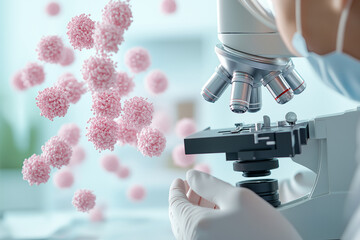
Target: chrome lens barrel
column 216, row 85
column 293, row 78
column 255, row 98
column 278, row 87
column 242, row 85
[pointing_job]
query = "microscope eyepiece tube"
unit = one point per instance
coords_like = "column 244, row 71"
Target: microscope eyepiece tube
column 293, row 78
column 242, row 85
column 216, row 85
column 278, row 87
column 255, row 98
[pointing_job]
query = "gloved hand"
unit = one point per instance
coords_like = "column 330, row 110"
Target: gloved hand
column 214, row 209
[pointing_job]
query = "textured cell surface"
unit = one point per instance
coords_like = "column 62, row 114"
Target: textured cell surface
column 103, row 133
column 118, row 13
column 179, row 157
column 106, row 104
column 203, row 167
column 136, row 193
column 67, row 57
column 84, row 200
column 168, row 6
column 123, row 172
column 99, row 73
column 137, row 112
column 151, row 142
column 63, row 178
column 72, row 88
column 107, row 37
column 53, row 8
column 70, row 133
column 137, row 59
column 156, row 82
column 110, row 162
column 52, row 102
column 33, row 74
column 185, row 127
column 35, row 170
column 80, row 31
column 96, row 214
column 127, row 133
column 124, row 84
column 78, row 155
column 162, row 121
column 17, row 81
column 56, row 152
column 50, row 49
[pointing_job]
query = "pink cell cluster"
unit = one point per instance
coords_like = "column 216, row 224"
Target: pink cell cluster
column 123, row 172
column 136, row 193
column 99, row 73
column 127, row 133
column 168, row 6
column 33, row 74
column 107, row 37
column 84, row 200
column 35, row 170
column 107, row 104
column 118, row 13
column 103, row 133
column 185, row 127
column 162, row 121
column 53, row 8
column 124, row 84
column 110, row 162
column 18, row 81
column 151, row 142
column 67, row 57
column 78, row 155
column 52, row 102
column 156, row 82
column 137, row 112
column 137, row 59
column 56, row 152
column 80, row 31
column 203, row 167
column 96, row 214
column 70, row 133
column 180, row 159
column 50, row 49
column 71, row 87
column 63, row 178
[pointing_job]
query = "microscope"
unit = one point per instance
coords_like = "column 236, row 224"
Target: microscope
column 252, row 55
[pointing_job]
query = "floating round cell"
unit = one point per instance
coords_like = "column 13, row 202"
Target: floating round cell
column 151, row 142
column 18, row 81
column 80, row 31
column 56, row 152
column 168, row 6
column 110, row 162
column 137, row 59
column 33, row 74
column 50, row 49
column 123, row 172
column 70, row 133
column 78, row 155
column 162, row 121
column 52, row 102
column 136, row 193
column 107, row 37
column 35, row 170
column 63, row 178
column 84, row 200
column 96, row 214
column 118, row 13
column 124, row 84
column 72, row 88
column 203, row 167
column 179, row 157
column 137, row 112
column 185, row 127
column 127, row 133
column 156, row 82
column 67, row 57
column 103, row 133
column 106, row 104
column 99, row 73
column 53, row 8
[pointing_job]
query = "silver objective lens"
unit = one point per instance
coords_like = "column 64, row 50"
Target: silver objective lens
column 255, row 98
column 216, row 85
column 242, row 85
column 278, row 87
column 293, row 78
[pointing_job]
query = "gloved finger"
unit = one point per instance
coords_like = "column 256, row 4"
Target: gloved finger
column 178, row 200
column 195, row 199
column 209, row 187
column 187, row 187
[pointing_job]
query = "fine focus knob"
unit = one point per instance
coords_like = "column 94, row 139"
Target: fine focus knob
column 291, row 118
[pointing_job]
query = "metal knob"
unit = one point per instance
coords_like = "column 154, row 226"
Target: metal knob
column 291, row 118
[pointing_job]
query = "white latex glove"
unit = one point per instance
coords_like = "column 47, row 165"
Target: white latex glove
column 239, row 213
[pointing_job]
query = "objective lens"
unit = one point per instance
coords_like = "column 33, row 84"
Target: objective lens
column 293, row 78
column 278, row 87
column 242, row 85
column 255, row 98
column 216, row 85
